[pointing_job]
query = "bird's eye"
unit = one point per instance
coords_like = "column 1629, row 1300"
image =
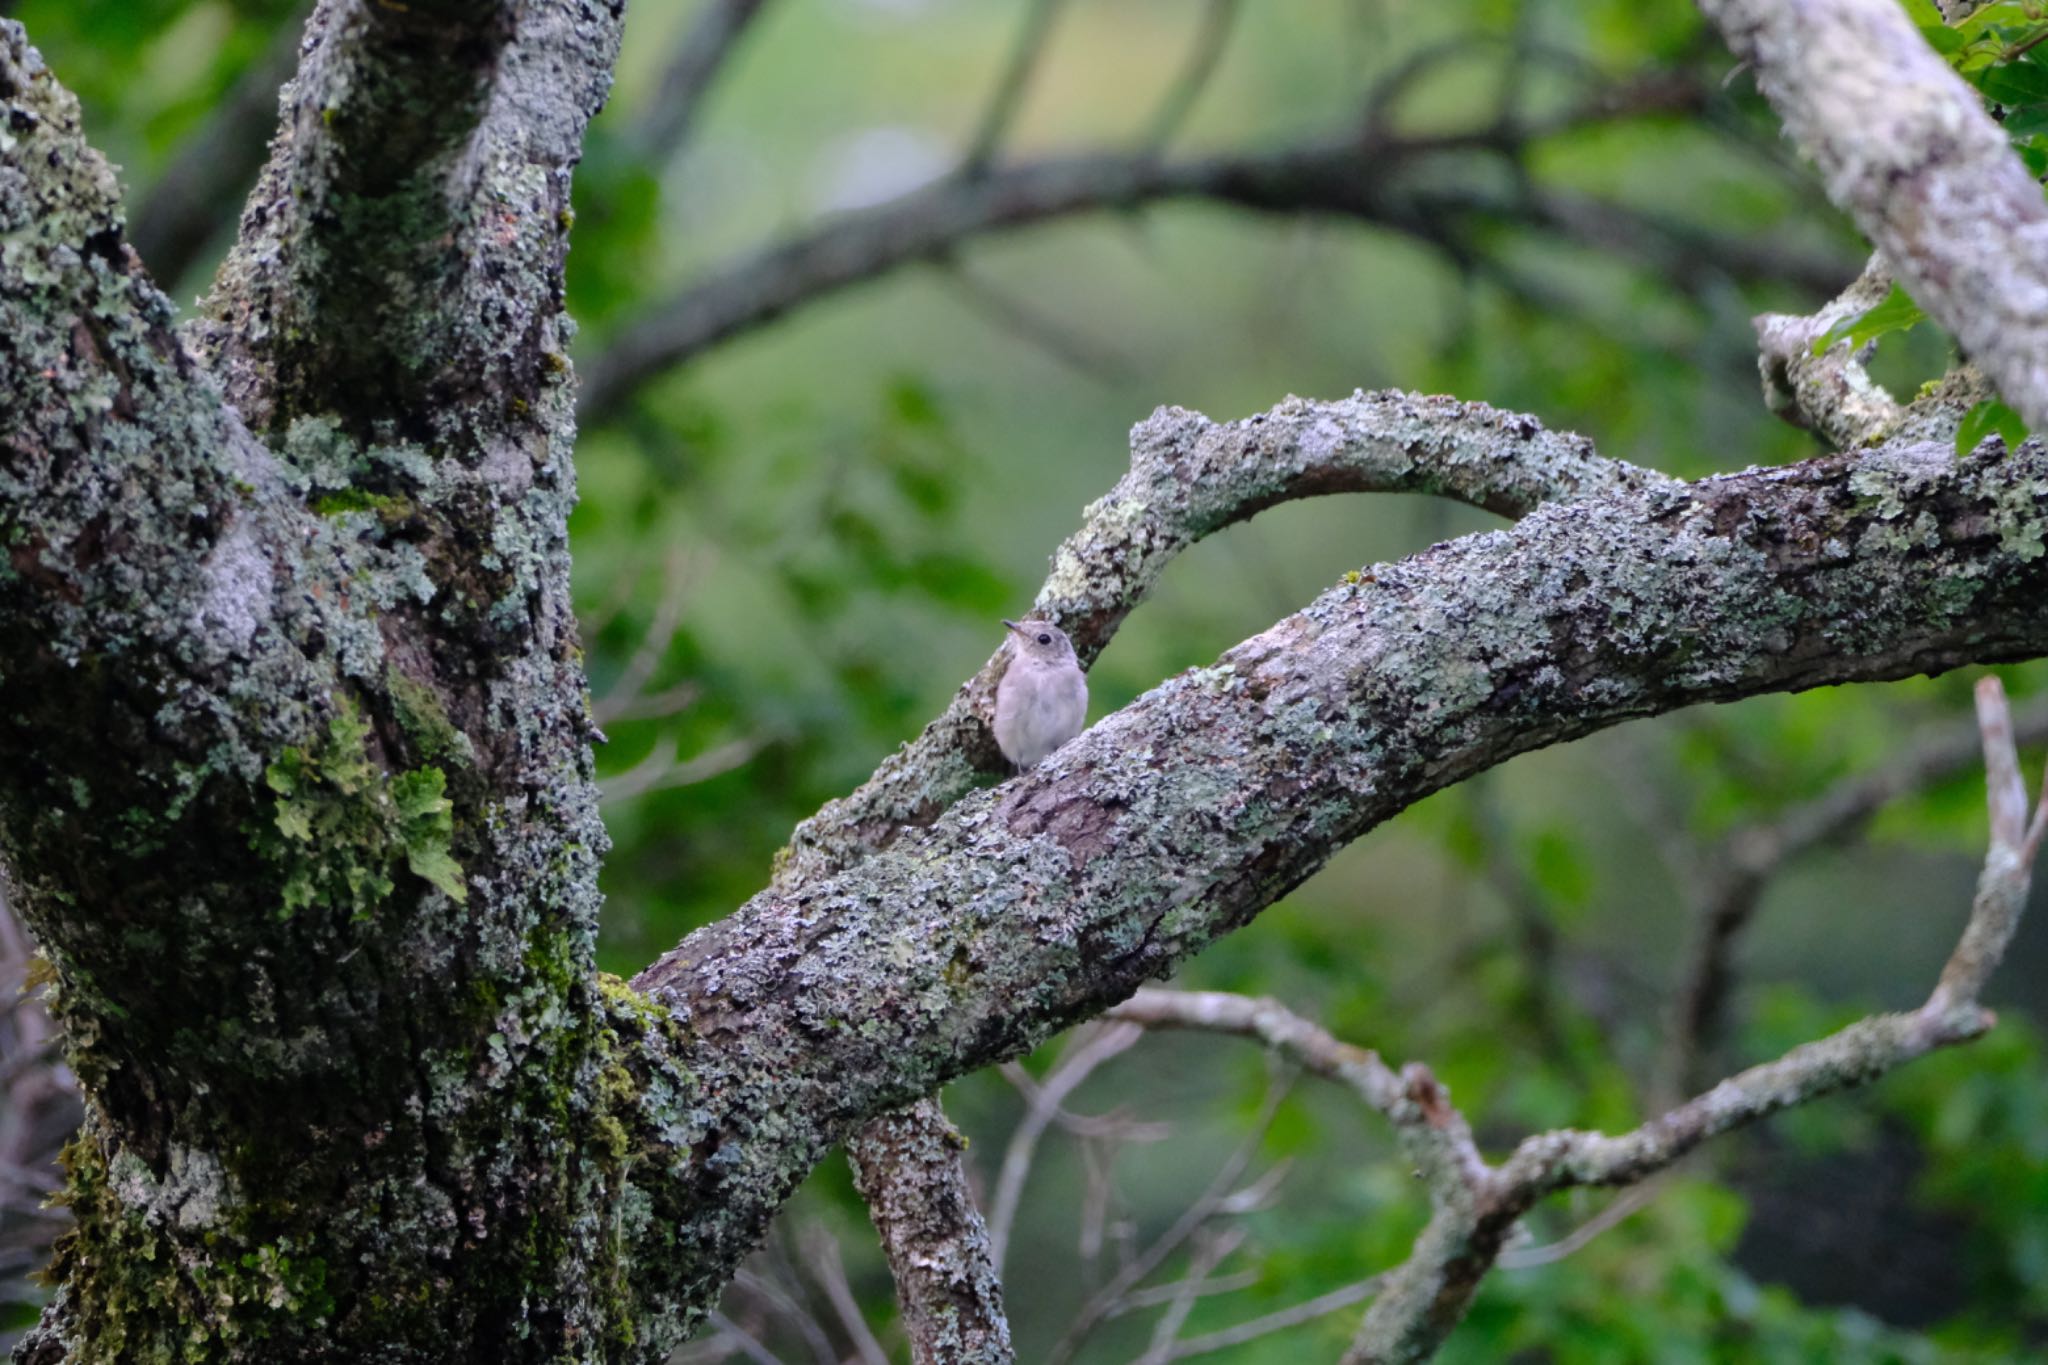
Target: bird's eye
column 1043, row 638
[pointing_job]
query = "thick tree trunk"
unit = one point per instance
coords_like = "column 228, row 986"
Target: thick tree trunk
column 294, row 764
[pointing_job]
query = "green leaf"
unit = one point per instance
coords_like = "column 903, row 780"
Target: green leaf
column 1987, row 417
column 2018, row 85
column 439, row 867
column 295, row 821
column 1895, row 313
column 420, row 793
column 283, row 776
column 1990, row 16
column 1940, row 36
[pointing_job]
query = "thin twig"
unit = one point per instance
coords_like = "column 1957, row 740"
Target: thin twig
column 742, row 1339
column 706, row 47
column 1114, row 1125
column 1619, row 1210
column 1205, row 1287
column 1072, row 1069
column 821, row 1253
column 1209, row 1253
column 1321, row 1306
column 787, row 1306
column 661, row 769
column 1205, row 1207
column 1741, row 866
column 1477, row 1211
column 681, row 571
column 1008, row 95
column 1211, row 39
column 1056, row 339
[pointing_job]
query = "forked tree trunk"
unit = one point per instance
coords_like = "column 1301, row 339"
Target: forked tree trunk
column 295, row 766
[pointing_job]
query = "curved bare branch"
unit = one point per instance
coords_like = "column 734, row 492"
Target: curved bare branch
column 1189, row 478
column 1360, row 180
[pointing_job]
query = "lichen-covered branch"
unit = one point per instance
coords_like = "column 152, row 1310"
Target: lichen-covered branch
column 907, row 1167
column 1189, row 478
column 1830, row 393
column 400, row 259
column 1908, row 150
column 828, row 999
column 294, row 768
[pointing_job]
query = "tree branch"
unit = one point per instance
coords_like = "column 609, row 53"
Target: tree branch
column 1218, row 17
column 1189, row 478
column 1830, row 393
column 1044, row 1101
column 294, row 765
column 830, row 998
column 707, row 44
column 1434, row 1135
column 1365, row 181
column 119, row 467
column 400, row 260
column 907, row 1167
column 1743, row 864
column 1906, row 148
column 993, row 126
column 1477, row 1205
column 1424, row 1299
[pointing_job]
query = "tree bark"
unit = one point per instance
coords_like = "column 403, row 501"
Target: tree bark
column 294, row 764
column 294, row 749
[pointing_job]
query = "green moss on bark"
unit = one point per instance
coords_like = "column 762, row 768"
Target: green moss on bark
column 340, row 826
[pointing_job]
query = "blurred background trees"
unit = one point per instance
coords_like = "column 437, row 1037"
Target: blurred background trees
column 870, row 291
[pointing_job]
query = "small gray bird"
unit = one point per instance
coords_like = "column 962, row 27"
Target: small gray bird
column 1042, row 701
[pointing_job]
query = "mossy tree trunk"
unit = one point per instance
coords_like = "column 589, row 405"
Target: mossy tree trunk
column 296, row 758
column 295, row 766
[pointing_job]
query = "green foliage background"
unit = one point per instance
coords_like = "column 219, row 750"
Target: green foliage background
column 851, row 496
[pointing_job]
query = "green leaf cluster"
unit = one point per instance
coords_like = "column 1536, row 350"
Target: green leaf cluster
column 1998, row 50
column 340, row 824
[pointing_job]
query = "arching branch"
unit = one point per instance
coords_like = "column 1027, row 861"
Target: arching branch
column 1189, row 478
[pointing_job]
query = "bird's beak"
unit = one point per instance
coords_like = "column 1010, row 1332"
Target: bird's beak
column 1011, row 624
